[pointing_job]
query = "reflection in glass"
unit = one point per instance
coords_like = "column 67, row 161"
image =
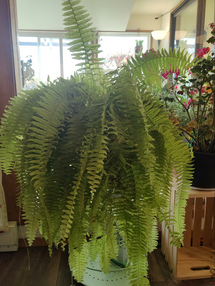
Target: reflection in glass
column 209, row 18
column 186, row 28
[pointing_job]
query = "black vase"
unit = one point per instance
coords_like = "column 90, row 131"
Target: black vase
column 204, row 170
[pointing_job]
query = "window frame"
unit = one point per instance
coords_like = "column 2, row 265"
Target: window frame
column 200, row 21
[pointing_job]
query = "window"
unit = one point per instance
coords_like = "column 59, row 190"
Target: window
column 117, row 48
column 209, row 18
column 45, row 54
column 185, row 31
column 189, row 24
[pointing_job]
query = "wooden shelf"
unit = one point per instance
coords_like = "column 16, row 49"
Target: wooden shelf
column 196, row 257
column 201, row 194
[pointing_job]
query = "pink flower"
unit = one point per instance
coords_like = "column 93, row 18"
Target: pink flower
column 190, row 101
column 201, row 52
column 212, row 25
column 165, row 74
column 203, row 89
column 192, row 92
column 177, row 73
column 176, row 87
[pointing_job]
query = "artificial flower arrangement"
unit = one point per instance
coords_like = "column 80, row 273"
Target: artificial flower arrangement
column 194, row 93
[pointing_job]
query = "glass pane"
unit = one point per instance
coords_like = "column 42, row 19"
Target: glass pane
column 185, row 32
column 209, row 18
column 29, row 61
column 117, row 49
column 68, row 63
column 49, row 60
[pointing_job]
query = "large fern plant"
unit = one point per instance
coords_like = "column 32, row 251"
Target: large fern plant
column 96, row 155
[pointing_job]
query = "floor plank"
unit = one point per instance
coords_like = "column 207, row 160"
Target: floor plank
column 155, row 272
column 54, row 271
column 12, row 266
column 43, row 268
column 64, row 275
column 169, row 278
column 158, row 284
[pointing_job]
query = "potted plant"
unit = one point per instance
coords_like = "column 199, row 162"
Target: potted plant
column 139, row 46
column 193, row 109
column 95, row 155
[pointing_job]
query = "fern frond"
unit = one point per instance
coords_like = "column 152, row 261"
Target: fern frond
column 109, row 247
column 78, row 260
column 82, row 34
column 77, row 239
column 14, row 124
column 153, row 62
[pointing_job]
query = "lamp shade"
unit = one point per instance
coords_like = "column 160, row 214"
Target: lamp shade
column 159, row 34
column 180, row 35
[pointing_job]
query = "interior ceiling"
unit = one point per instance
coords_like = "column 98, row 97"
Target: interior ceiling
column 111, row 15
column 158, row 7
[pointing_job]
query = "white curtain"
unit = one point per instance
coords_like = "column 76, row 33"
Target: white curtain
column 3, row 209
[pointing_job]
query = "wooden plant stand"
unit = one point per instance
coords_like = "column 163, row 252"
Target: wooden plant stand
column 196, row 259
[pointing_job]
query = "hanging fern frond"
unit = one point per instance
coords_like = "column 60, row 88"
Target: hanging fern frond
column 16, row 121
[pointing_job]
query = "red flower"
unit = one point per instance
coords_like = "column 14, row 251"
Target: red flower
column 201, row 52
column 190, row 101
column 203, row 89
column 212, row 25
column 165, row 74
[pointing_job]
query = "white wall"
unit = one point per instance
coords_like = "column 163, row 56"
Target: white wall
column 165, row 25
column 47, row 14
column 40, row 15
column 145, row 23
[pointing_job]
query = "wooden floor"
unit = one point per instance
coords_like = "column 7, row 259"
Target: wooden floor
column 54, row 271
